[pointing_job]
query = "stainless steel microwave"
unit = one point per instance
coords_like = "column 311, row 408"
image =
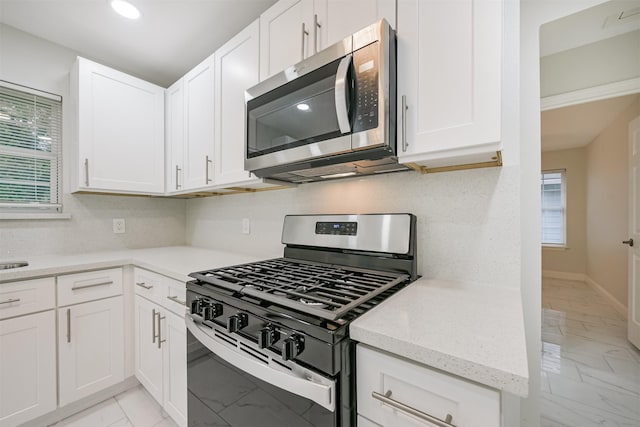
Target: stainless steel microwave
column 329, row 116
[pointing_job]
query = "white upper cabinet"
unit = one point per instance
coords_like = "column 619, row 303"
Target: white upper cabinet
column 286, row 35
column 341, row 18
column 449, row 78
column 199, row 125
column 237, row 65
column 174, row 136
column 119, row 131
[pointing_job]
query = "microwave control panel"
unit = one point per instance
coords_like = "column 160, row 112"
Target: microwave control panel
column 366, row 65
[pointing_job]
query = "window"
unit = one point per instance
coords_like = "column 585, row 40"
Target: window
column 30, row 150
column 553, row 208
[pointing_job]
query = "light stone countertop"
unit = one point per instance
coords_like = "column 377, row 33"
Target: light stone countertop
column 470, row 330
column 175, row 262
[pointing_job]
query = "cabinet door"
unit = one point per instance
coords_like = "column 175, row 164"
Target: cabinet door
column 91, row 348
column 387, row 386
column 240, row 53
column 27, row 367
column 449, row 70
column 199, row 125
column 174, row 131
column 148, row 353
column 345, row 17
column 120, row 131
column 174, row 331
column 285, row 35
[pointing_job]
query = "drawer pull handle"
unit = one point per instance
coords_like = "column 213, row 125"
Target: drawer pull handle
column 92, row 285
column 10, row 300
column 144, row 285
column 68, row 325
column 412, row 411
column 153, row 326
column 160, row 319
column 179, row 301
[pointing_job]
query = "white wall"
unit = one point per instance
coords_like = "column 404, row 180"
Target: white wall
column 37, row 63
column 608, row 206
column 618, row 59
column 533, row 14
column 573, row 258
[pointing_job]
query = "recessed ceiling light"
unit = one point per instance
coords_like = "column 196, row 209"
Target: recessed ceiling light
column 125, row 9
column 303, row 107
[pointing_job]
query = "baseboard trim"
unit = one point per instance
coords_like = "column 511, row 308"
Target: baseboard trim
column 82, row 404
column 619, row 307
column 564, row 275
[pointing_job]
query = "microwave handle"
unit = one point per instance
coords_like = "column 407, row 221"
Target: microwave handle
column 342, row 108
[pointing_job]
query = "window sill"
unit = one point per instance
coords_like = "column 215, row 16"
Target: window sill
column 34, row 216
column 555, row 248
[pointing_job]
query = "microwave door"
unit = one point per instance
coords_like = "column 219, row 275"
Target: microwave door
column 296, row 122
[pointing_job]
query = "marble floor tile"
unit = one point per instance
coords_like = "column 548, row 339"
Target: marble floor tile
column 590, row 371
column 141, row 409
column 104, row 414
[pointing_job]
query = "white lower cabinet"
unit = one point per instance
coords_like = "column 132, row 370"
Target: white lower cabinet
column 27, row 367
column 91, row 348
column 161, row 356
column 394, row 392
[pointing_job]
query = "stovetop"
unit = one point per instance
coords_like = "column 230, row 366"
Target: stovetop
column 324, row 290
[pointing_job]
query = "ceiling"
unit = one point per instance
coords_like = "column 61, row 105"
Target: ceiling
column 169, row 39
column 589, row 26
column 578, row 125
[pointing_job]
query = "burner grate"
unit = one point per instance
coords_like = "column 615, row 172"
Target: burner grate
column 325, row 290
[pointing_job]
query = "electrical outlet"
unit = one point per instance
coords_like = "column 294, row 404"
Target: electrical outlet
column 246, row 226
column 118, row 225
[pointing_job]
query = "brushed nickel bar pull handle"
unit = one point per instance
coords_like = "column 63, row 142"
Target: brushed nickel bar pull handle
column 68, row 325
column 160, row 340
column 405, row 144
column 10, row 300
column 92, row 285
column 207, row 169
column 316, row 25
column 144, row 285
column 304, row 34
column 153, row 325
column 178, row 177
column 175, row 299
column 412, row 411
column 86, row 172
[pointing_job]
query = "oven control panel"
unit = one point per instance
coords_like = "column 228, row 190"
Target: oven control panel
column 337, row 228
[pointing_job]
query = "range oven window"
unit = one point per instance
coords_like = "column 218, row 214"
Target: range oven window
column 223, row 395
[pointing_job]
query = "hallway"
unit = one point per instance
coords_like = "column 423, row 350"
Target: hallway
column 590, row 372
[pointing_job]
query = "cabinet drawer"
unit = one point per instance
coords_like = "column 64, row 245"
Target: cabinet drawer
column 428, row 392
column 28, row 296
column 363, row 422
column 149, row 285
column 175, row 296
column 88, row 286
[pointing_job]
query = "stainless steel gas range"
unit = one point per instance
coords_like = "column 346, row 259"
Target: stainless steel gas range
column 268, row 342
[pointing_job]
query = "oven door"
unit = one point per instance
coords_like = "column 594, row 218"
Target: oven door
column 232, row 383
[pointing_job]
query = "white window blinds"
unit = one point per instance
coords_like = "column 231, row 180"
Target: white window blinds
column 553, row 208
column 30, row 149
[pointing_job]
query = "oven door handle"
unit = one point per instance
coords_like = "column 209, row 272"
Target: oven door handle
column 342, row 106
column 322, row 394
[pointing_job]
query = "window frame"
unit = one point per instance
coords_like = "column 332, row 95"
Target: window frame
column 562, row 209
column 53, row 209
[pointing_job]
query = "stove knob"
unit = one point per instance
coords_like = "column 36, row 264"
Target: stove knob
column 267, row 337
column 196, row 306
column 237, row 322
column 211, row 311
column 292, row 347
